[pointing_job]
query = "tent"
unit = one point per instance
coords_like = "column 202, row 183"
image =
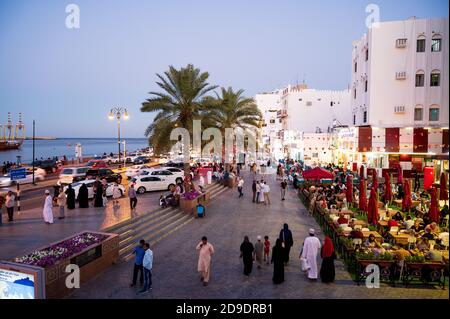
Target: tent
column 388, row 189
column 406, row 200
column 362, row 196
column 317, row 173
column 349, row 190
column 372, row 215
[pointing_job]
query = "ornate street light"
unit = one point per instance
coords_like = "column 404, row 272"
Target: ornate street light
column 118, row 113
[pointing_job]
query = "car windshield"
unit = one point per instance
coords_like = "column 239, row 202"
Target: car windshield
column 133, row 180
column 67, row 171
column 90, row 163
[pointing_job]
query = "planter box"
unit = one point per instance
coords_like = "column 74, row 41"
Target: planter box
column 92, row 260
column 189, row 205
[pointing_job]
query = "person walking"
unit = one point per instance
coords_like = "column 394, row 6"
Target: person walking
column 240, row 187
column 48, row 208
column 247, row 250
column 283, row 186
column 254, row 191
column 70, row 199
column 278, row 262
column 327, row 271
column 266, row 191
column 259, row 252
column 205, row 252
column 147, row 263
column 258, row 192
column 83, row 196
column 139, row 253
column 266, row 248
column 261, row 192
column 288, row 241
column 9, row 204
column 98, row 193
column 62, row 200
column 133, row 197
column 309, row 252
column 116, row 193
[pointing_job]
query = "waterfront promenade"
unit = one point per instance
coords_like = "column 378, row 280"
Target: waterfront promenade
column 228, row 220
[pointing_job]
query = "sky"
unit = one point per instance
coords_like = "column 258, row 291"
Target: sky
column 68, row 79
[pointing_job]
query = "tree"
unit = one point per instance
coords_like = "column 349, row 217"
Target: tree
column 181, row 101
column 232, row 110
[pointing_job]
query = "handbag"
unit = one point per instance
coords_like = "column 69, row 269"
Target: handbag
column 304, row 264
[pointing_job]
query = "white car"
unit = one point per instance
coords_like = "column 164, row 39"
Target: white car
column 5, row 180
column 71, row 175
column 175, row 170
column 90, row 185
column 147, row 183
column 135, row 170
column 174, row 177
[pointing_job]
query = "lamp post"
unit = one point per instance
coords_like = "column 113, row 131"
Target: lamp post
column 118, row 113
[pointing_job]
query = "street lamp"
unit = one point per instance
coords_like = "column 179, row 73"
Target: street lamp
column 118, row 113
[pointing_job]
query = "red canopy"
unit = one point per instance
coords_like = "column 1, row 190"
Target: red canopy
column 317, row 173
column 372, row 215
column 361, row 172
column 434, row 211
column 362, row 196
column 349, row 190
column 443, row 193
column 375, row 182
column 400, row 175
column 388, row 190
column 406, row 201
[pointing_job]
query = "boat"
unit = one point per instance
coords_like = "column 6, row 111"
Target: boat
column 12, row 136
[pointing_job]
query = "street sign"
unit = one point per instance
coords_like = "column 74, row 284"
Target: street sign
column 18, row 173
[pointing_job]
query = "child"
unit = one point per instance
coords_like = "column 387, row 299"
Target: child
column 162, row 201
column 105, row 200
column 266, row 249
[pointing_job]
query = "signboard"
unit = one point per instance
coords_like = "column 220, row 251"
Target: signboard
column 18, row 173
column 19, row 281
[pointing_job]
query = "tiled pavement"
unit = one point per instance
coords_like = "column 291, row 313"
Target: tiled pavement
column 228, row 220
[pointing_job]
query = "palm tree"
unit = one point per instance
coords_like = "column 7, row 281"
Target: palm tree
column 232, row 110
column 181, row 101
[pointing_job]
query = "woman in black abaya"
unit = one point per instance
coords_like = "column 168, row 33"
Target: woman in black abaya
column 247, row 255
column 98, row 199
column 70, row 192
column 83, row 200
column 327, row 271
column 278, row 262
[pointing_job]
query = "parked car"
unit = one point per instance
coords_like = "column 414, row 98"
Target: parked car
column 71, row 175
column 179, row 172
column 50, row 165
column 141, row 160
column 97, row 164
column 147, row 183
column 6, row 180
column 174, row 177
column 104, row 173
column 90, row 185
column 174, row 164
column 135, row 170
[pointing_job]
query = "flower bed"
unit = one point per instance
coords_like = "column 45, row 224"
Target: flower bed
column 49, row 256
column 190, row 200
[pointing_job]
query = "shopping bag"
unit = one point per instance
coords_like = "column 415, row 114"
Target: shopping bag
column 304, row 264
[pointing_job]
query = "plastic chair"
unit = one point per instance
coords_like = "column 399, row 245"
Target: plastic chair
column 357, row 227
column 357, row 242
column 411, row 241
column 365, row 229
column 394, row 229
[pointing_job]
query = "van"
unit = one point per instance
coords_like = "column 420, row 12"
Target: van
column 71, row 175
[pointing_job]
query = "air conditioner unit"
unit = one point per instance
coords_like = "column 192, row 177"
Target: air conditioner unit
column 399, row 109
column 400, row 75
column 401, row 43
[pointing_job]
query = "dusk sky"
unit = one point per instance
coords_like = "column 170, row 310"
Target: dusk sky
column 68, row 79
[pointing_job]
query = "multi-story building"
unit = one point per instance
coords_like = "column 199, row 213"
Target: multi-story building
column 400, row 97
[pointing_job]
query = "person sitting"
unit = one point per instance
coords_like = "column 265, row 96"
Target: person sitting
column 392, row 223
column 371, row 242
column 162, row 201
column 414, row 196
column 435, row 228
column 357, row 234
column 417, row 227
column 444, row 212
column 428, row 234
column 408, row 223
column 401, row 254
column 443, row 237
column 434, row 255
column 398, row 217
column 342, row 220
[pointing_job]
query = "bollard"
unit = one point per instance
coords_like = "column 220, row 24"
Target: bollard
column 18, row 198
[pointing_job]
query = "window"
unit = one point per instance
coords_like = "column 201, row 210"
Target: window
column 331, row 103
column 420, row 79
column 308, row 103
column 356, row 67
column 435, row 78
column 401, row 43
column 367, row 54
column 315, row 155
column 272, row 121
column 365, row 117
column 436, row 45
column 365, row 86
column 418, row 114
column 420, row 45
column 354, row 119
column 354, row 94
column 434, row 114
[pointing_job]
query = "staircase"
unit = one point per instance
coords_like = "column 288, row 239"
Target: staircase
column 154, row 226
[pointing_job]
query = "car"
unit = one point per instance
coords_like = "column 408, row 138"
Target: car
column 90, row 185
column 97, row 164
column 174, row 164
column 147, row 183
column 141, row 160
column 179, row 172
column 49, row 165
column 135, row 170
column 71, row 175
column 175, row 177
column 5, row 180
column 104, row 173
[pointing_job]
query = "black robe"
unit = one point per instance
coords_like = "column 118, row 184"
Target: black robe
column 247, row 256
column 98, row 199
column 286, row 237
column 327, row 272
column 70, row 192
column 83, row 197
column 278, row 264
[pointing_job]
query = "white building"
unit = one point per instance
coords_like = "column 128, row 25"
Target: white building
column 400, row 74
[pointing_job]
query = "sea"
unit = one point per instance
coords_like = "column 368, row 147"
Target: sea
column 66, row 146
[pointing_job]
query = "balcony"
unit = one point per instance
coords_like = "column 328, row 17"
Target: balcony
column 400, row 75
column 401, row 43
column 399, row 109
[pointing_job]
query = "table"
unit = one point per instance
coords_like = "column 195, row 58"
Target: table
column 401, row 238
column 378, row 237
column 398, row 202
column 342, row 212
